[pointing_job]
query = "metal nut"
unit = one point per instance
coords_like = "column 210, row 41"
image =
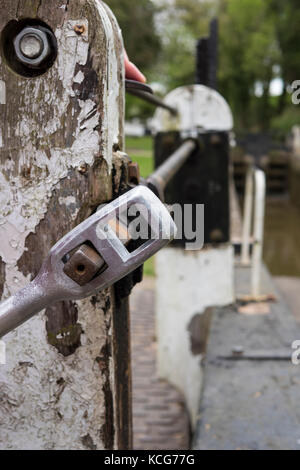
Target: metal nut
column 83, row 265
column 32, row 46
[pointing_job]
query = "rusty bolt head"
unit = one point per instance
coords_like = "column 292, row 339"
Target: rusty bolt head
column 83, row 265
column 133, row 173
column 79, row 29
column 82, row 168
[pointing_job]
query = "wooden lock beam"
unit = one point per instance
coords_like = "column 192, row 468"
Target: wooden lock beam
column 66, row 384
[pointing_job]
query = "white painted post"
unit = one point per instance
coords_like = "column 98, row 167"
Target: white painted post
column 296, row 141
column 248, row 213
column 254, row 208
column 259, row 219
column 189, row 282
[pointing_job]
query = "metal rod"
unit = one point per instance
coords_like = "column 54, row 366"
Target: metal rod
column 23, row 305
column 259, row 219
column 260, row 356
column 248, row 210
column 163, row 175
column 134, row 85
column 152, row 99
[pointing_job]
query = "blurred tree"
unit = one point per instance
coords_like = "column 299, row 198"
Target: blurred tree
column 177, row 61
column 196, row 14
column 142, row 42
column 258, row 41
column 248, row 54
column 256, row 36
column 137, row 21
column 287, row 20
column 183, row 22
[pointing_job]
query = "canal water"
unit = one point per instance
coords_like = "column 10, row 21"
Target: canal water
column 282, row 238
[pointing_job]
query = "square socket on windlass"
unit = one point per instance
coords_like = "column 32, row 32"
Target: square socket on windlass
column 84, row 264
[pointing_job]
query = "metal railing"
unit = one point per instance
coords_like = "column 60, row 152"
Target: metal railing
column 254, row 216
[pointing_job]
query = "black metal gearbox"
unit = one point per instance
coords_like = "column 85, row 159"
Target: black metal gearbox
column 204, row 179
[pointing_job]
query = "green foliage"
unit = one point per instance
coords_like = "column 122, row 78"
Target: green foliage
column 137, row 21
column 142, row 42
column 149, row 267
column 177, row 64
column 286, row 16
column 196, row 14
column 289, row 118
column 248, row 53
column 259, row 40
column 183, row 24
column 137, row 108
column 140, row 150
column 146, row 164
column 143, row 145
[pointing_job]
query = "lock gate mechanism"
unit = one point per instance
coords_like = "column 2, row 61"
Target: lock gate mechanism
column 93, row 256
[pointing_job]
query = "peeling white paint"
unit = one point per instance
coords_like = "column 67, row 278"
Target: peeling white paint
column 2, row 101
column 71, row 204
column 2, row 92
column 14, row 280
column 111, row 100
column 67, row 201
column 24, row 206
column 36, row 412
column 68, row 42
column 79, row 77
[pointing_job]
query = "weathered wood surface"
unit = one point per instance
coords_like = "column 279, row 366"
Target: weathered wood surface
column 57, row 137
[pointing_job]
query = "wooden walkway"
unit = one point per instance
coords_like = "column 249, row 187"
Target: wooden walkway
column 160, row 421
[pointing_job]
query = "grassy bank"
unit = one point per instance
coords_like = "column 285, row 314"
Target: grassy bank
column 140, row 150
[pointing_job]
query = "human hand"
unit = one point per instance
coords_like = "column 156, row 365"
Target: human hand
column 132, row 72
